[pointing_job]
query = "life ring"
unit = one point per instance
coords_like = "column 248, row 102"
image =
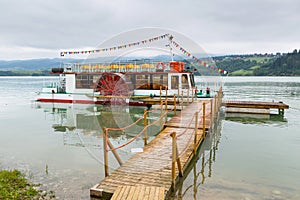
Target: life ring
column 160, row 66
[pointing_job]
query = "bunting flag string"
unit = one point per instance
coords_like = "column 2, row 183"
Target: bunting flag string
column 201, row 62
column 63, row 53
column 170, row 37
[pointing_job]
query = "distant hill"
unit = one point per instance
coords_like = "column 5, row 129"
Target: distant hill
column 287, row 64
column 34, row 64
column 243, row 65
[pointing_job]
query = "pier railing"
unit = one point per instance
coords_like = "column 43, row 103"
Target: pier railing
column 107, row 145
column 215, row 104
column 199, row 117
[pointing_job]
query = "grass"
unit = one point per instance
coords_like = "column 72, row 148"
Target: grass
column 15, row 186
column 242, row 72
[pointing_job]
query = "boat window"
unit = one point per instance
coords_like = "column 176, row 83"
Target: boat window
column 86, row 81
column 130, row 80
column 174, row 82
column 159, row 80
column 184, row 81
column 142, row 81
column 192, row 80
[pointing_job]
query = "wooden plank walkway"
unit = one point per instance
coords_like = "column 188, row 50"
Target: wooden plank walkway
column 183, row 118
column 138, row 193
column 152, row 167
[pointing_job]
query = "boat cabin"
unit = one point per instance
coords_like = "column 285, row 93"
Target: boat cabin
column 127, row 79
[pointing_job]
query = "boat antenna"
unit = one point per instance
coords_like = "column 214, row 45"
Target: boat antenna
column 170, row 46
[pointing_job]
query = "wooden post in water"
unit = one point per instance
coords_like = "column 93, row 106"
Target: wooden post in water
column 105, row 153
column 145, row 124
column 203, row 118
column 196, row 129
column 178, row 163
column 174, row 146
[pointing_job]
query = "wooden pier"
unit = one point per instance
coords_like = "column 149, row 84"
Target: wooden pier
column 165, row 159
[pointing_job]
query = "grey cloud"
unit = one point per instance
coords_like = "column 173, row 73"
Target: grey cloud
column 76, row 24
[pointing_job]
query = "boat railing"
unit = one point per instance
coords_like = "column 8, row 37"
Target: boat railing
column 151, row 66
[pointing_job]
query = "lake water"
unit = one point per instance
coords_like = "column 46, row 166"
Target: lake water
column 60, row 145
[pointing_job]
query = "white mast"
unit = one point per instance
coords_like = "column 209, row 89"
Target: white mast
column 170, row 46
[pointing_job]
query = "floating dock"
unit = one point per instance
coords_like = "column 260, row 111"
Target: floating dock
column 165, row 159
column 254, row 107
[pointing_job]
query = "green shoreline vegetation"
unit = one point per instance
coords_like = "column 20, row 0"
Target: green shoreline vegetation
column 15, row 186
column 25, row 73
column 278, row 64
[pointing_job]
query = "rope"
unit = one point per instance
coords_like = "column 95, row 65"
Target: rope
column 186, row 146
column 126, row 127
column 186, row 128
column 139, row 134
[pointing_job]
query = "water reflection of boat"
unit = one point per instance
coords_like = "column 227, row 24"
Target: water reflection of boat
column 74, row 120
column 255, row 118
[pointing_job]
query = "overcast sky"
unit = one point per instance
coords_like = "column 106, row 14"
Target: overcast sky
column 38, row 29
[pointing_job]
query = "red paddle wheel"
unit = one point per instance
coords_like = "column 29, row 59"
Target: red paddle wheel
column 114, row 87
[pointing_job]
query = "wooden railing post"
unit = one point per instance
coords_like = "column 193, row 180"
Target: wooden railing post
column 215, row 106
column 196, row 130
column 105, row 153
column 160, row 93
column 161, row 115
column 145, row 124
column 188, row 96
column 174, row 104
column 173, row 175
column 211, row 114
column 166, row 92
column 118, row 158
column 182, row 100
column 203, row 118
column 166, row 103
column 192, row 95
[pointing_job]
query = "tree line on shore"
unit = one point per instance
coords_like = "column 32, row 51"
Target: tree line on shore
column 287, row 64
